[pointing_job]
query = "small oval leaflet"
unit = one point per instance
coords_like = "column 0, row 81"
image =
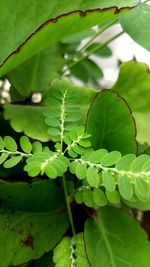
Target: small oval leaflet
column 113, row 197
column 108, row 181
column 88, row 198
column 111, row 158
column 142, row 189
column 125, row 187
column 81, row 171
column 25, row 144
column 92, row 177
column 139, row 162
column 125, row 162
column 10, row 143
column 99, row 197
column 12, row 162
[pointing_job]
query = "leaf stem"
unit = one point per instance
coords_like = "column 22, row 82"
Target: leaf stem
column 72, row 64
column 96, row 35
column 16, row 153
column 67, row 198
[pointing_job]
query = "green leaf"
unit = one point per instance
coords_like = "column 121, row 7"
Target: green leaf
column 92, row 177
column 87, row 71
column 24, row 196
column 25, row 144
column 10, row 143
column 125, row 187
column 138, row 163
column 88, row 197
column 36, row 147
column 2, row 144
column 13, row 161
column 36, row 74
column 97, row 155
column 81, row 171
column 118, row 237
column 136, row 22
column 71, row 251
column 30, row 120
column 35, row 233
column 46, row 29
column 142, row 189
column 111, row 124
column 79, row 196
column 99, row 197
column 133, row 84
column 108, row 181
column 111, row 158
column 113, row 197
column 125, row 162
column 102, row 52
column 50, row 171
column 3, row 157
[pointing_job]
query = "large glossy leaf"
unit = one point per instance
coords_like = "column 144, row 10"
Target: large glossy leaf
column 26, row 236
column 45, row 261
column 34, row 25
column 118, row 240
column 37, row 224
column 133, row 85
column 36, row 73
column 111, row 124
column 136, row 24
column 23, row 196
column 30, row 119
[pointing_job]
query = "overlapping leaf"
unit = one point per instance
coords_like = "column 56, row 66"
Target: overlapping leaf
column 106, row 174
column 71, row 252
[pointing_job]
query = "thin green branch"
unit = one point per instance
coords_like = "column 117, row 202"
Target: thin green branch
column 62, row 119
column 67, row 198
column 16, row 153
column 100, row 31
column 113, row 170
column 72, row 64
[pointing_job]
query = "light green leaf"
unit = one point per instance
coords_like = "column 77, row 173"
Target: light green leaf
column 111, row 124
column 92, row 177
column 97, row 155
column 125, row 187
column 108, row 181
column 111, row 158
column 25, row 144
column 50, row 171
column 133, row 84
column 88, row 197
column 125, row 162
column 118, row 237
column 81, row 171
column 138, row 163
column 2, row 144
column 13, row 161
column 30, row 120
column 36, row 147
column 142, row 189
column 3, row 157
column 44, row 27
column 36, row 74
column 113, row 197
column 136, row 24
column 10, row 143
column 99, row 197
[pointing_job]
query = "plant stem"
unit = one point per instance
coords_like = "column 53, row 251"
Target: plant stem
column 72, row 64
column 96, row 35
column 68, row 205
column 146, row 1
